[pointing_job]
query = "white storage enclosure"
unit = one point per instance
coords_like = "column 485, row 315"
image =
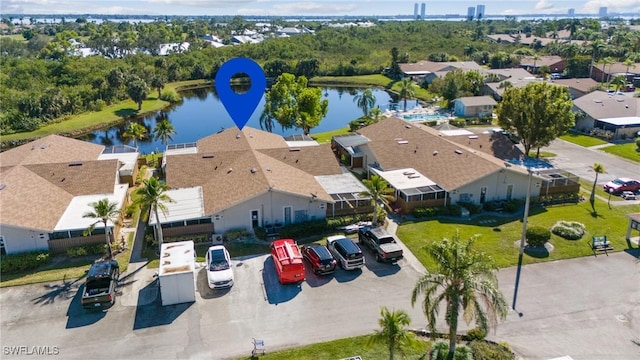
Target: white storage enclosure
column 177, row 273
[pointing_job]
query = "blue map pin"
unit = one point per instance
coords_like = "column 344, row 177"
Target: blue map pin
column 240, row 106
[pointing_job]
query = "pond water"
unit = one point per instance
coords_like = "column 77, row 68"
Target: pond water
column 201, row 114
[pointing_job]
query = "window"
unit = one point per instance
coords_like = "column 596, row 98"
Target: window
column 483, row 194
column 287, row 215
column 3, row 250
column 509, row 191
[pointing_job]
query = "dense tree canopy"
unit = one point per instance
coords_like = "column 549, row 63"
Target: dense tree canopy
column 538, row 113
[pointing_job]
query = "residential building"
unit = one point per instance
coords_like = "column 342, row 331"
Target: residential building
column 606, row 72
column 427, row 169
column 428, row 70
column 48, row 184
column 618, row 114
column 555, row 63
column 478, row 106
column 577, row 87
column 243, row 179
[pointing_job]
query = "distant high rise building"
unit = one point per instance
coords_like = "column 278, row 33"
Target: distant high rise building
column 480, row 11
column 423, row 9
column 603, row 11
column 415, row 11
column 571, row 12
column 471, row 13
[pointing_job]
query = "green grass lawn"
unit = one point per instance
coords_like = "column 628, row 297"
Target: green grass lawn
column 582, row 140
column 326, row 137
column 628, row 151
column 109, row 115
column 498, row 237
column 343, row 348
column 370, row 80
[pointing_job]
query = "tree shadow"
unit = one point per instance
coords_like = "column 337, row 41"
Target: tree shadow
column 64, row 291
column 126, row 113
column 539, row 252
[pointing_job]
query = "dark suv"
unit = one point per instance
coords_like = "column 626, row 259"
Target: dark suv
column 100, row 286
column 321, row 260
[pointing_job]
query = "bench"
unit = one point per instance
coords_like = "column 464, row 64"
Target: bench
column 600, row 243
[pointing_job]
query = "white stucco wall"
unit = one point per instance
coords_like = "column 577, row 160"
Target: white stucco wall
column 270, row 207
column 17, row 240
column 496, row 185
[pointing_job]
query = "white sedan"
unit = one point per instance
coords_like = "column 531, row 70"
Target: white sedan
column 628, row 195
column 219, row 271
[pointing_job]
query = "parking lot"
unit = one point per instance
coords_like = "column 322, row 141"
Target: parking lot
column 220, row 324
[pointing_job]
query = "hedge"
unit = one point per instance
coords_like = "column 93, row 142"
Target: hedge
column 24, row 261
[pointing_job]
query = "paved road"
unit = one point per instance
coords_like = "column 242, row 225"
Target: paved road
column 579, row 161
column 218, row 325
column 588, row 308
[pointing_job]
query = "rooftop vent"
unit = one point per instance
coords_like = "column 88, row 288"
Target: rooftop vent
column 237, row 136
column 408, row 173
column 254, row 170
column 473, row 136
column 458, row 151
column 2, row 186
column 294, row 149
column 408, row 126
column 43, row 146
column 402, row 142
column 413, row 176
column 76, row 163
column 597, row 101
column 229, row 171
column 207, row 156
column 435, row 152
column 268, row 169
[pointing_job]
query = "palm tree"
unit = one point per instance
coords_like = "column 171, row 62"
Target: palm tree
column 630, row 63
column 375, row 114
column 135, row 132
column 164, row 131
column 619, row 81
column 465, row 280
column 406, row 90
column 365, row 101
column 536, row 57
column 393, row 333
column 596, row 46
column 572, row 26
column 607, row 61
column 152, row 194
column 105, row 212
column 598, row 169
column 380, row 192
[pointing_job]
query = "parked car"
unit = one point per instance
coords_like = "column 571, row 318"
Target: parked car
column 384, row 245
column 619, row 185
column 321, row 260
column 288, row 261
column 100, row 286
column 628, row 195
column 346, row 251
column 219, row 270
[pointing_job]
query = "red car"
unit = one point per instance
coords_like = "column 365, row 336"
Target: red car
column 321, row 260
column 619, row 185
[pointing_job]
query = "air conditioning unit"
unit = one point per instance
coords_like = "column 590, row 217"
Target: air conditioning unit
column 217, row 217
column 322, row 206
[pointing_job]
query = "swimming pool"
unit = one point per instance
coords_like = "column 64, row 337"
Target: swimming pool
column 425, row 117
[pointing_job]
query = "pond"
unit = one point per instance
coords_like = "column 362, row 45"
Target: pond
column 201, row 114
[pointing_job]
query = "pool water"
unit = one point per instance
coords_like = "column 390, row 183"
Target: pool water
column 425, row 117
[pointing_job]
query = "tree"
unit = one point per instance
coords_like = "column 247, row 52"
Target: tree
column 138, row 91
column 164, row 131
column 406, row 90
column 607, row 61
column 596, row 47
column 464, row 280
column 380, row 192
column 157, row 83
column 598, row 169
column 104, row 212
column 275, row 68
column 135, row 132
column 293, row 105
column 629, row 62
column 572, row 26
column 393, row 333
column 538, row 113
column 365, row 101
column 394, row 70
column 619, row 81
column 152, row 194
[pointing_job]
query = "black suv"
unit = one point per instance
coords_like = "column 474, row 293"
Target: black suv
column 321, row 260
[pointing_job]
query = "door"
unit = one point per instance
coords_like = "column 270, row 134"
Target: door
column 255, row 218
column 509, row 191
column 3, row 250
column 287, row 215
column 483, row 194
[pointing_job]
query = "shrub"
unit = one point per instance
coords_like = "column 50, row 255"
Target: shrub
column 235, row 234
column 537, row 236
column 24, row 261
column 260, row 233
column 170, row 96
column 570, row 230
column 425, row 212
column 512, row 205
column 452, row 210
column 433, row 123
column 458, row 123
column 638, row 142
column 482, row 350
column 473, row 208
column 440, row 349
column 476, row 334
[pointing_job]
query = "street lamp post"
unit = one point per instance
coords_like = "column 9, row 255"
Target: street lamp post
column 522, row 238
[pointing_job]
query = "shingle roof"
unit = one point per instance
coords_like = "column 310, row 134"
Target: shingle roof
column 233, row 166
column 618, row 67
column 449, row 164
column 39, row 183
column 477, row 100
column 495, row 144
column 426, row 66
column 542, row 61
column 51, row 149
column 601, row 105
column 582, row 84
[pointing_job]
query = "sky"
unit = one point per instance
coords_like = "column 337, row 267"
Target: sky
column 307, row 8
